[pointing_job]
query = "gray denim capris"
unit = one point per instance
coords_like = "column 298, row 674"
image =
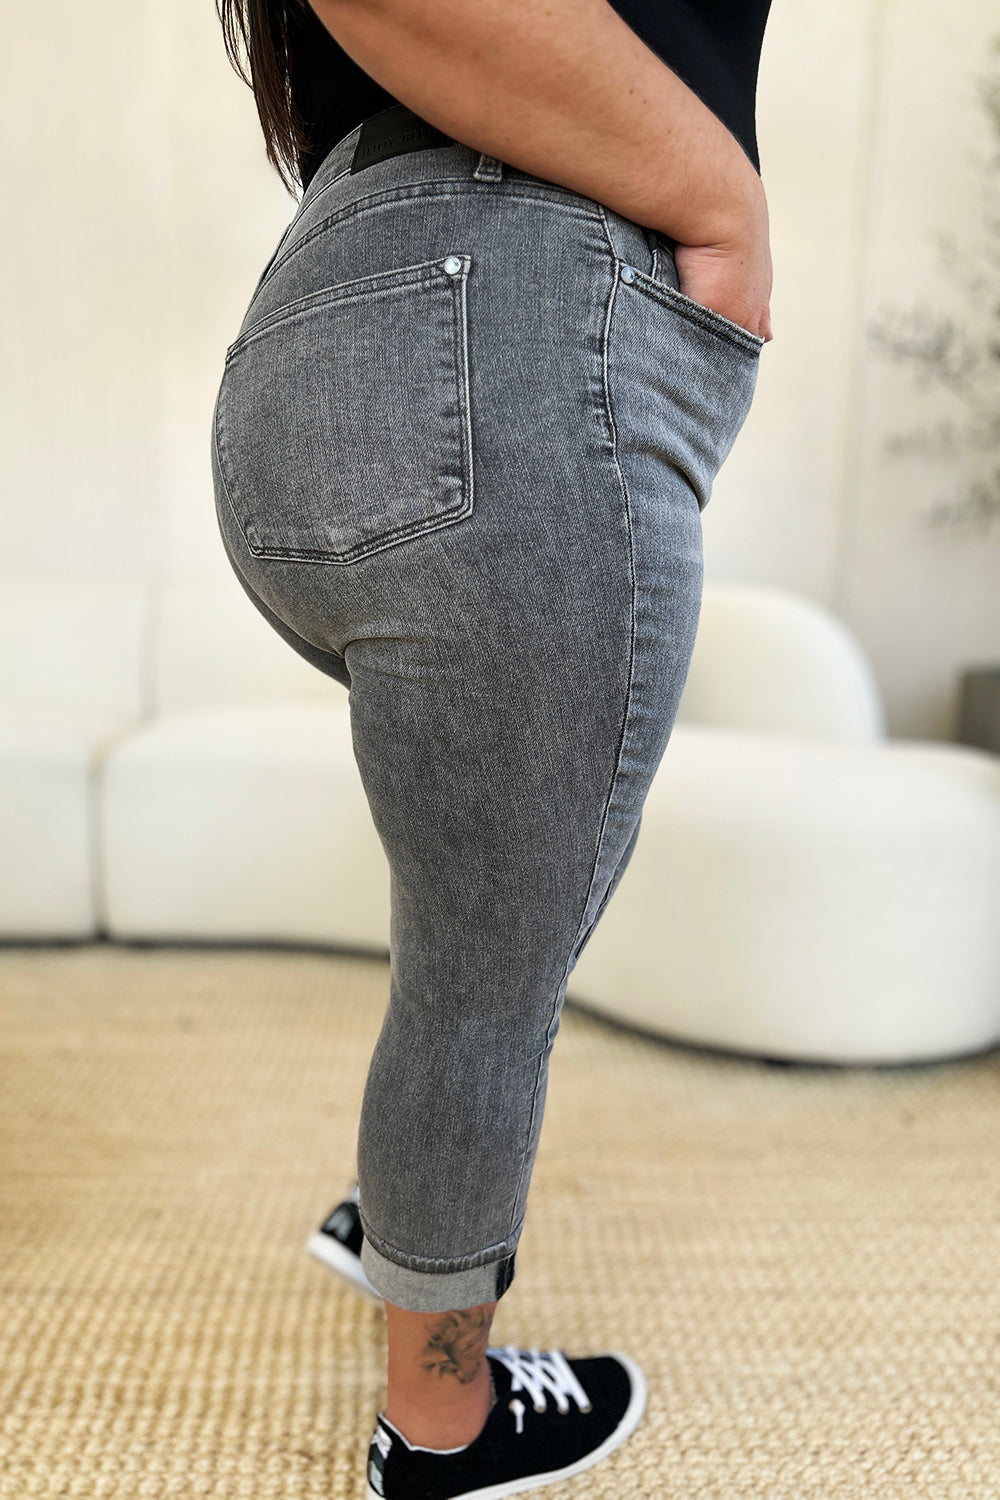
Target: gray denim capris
column 460, row 450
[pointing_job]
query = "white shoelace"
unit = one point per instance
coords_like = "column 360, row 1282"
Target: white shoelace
column 535, row 1373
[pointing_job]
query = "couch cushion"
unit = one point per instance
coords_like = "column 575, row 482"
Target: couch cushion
column 243, row 822
column 48, row 752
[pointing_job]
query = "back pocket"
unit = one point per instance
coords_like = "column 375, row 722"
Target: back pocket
column 342, row 424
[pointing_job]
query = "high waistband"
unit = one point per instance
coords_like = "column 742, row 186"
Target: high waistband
column 391, row 132
column 399, row 132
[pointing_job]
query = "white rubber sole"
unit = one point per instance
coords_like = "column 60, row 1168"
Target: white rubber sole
column 624, row 1430
column 333, row 1255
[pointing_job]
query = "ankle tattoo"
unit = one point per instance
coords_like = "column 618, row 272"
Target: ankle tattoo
column 456, row 1344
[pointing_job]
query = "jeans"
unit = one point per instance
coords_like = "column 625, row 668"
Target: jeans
column 461, row 447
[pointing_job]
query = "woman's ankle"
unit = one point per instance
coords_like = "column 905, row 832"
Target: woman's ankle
column 443, row 1424
column 440, row 1386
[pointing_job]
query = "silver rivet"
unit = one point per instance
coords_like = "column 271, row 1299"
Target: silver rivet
column 453, row 265
column 628, row 273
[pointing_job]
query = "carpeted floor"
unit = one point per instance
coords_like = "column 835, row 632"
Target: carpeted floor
column 805, row 1260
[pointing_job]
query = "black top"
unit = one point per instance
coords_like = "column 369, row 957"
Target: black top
column 713, row 45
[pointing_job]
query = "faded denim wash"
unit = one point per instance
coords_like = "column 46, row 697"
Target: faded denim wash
column 460, row 449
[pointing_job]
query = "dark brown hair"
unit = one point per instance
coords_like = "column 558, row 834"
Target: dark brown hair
column 270, row 33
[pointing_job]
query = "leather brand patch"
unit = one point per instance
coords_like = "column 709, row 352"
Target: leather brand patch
column 392, row 133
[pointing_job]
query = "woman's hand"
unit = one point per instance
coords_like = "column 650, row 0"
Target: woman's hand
column 734, row 276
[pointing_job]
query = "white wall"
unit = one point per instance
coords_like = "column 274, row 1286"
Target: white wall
column 872, row 144
column 140, row 211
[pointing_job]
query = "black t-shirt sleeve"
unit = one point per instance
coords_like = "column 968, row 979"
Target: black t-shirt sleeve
column 713, row 45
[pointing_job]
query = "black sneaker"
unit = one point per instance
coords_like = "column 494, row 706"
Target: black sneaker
column 337, row 1243
column 528, row 1440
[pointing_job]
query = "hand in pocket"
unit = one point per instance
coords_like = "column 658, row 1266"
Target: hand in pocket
column 733, row 277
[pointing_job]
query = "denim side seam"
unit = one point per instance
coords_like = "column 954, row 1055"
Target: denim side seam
column 625, row 717
column 623, row 485
column 612, row 428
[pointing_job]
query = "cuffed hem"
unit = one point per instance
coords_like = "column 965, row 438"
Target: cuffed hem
column 436, row 1291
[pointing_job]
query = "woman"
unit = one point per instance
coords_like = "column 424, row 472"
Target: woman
column 461, row 448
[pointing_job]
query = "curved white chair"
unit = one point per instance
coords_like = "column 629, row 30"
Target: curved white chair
column 803, row 888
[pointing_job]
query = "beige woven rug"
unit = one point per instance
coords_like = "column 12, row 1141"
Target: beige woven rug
column 805, row 1261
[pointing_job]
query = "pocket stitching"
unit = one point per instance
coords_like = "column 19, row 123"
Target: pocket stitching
column 343, row 291
column 385, row 539
column 698, row 313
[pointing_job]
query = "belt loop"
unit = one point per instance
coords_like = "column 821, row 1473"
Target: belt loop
column 488, row 168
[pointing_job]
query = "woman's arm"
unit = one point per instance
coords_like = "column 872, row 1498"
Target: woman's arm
column 564, row 89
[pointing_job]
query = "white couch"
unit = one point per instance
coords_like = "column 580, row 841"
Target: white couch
column 237, row 811
column 71, row 683
column 802, row 888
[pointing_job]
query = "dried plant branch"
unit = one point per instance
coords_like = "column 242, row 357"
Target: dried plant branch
column 959, row 356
